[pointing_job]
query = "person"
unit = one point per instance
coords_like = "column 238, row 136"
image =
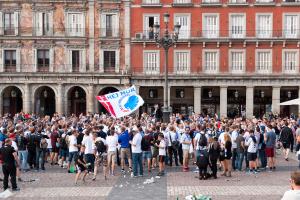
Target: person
column 73, row 148
column 234, row 135
column 161, row 144
column 286, row 136
column 240, row 142
column 251, row 142
column 112, row 142
column 123, row 140
column 228, row 155
column 214, row 153
column 55, row 146
column 137, row 153
column 41, row 148
column 100, row 154
column 64, row 149
column 294, row 192
column 81, row 166
column 87, row 143
column 21, row 141
column 186, row 141
column 31, row 146
column 270, row 140
column 173, row 145
column 10, row 162
column 146, row 148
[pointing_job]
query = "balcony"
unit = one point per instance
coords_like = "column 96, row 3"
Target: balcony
column 211, row 3
column 109, row 33
column 10, row 68
column 264, row 3
column 182, row 3
column 291, row 2
column 109, row 69
column 237, row 2
column 151, row 3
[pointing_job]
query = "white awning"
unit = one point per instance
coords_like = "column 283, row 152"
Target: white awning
column 291, row 102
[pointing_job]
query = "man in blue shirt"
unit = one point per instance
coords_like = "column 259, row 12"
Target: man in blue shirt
column 123, row 140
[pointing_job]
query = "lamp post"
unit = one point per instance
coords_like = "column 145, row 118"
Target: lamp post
column 166, row 41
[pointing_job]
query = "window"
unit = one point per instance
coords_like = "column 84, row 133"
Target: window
column 43, row 60
column 9, row 24
column 291, row 25
column 43, row 23
column 151, row 62
column 184, row 21
column 76, row 24
column 182, row 62
column 75, row 60
column 264, row 1
column 151, row 1
column 109, row 25
column 182, row 1
column 290, row 61
column 237, row 61
column 237, row 25
column 109, row 61
column 10, row 61
column 264, row 25
column 211, row 1
column 264, row 61
column 211, row 61
column 149, row 21
column 211, row 25
column 237, row 1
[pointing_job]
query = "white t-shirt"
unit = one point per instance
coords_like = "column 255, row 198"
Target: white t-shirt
column 252, row 147
column 49, row 146
column 112, row 142
column 87, row 141
column 136, row 141
column 14, row 145
column 185, row 138
column 162, row 148
column 197, row 138
column 72, row 143
column 234, row 135
column 291, row 195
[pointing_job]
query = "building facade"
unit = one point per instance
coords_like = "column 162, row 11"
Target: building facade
column 233, row 57
column 56, row 56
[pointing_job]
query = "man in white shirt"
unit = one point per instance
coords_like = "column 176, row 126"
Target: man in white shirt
column 73, row 148
column 234, row 135
column 173, row 137
column 136, row 153
column 87, row 143
column 294, row 193
column 112, row 142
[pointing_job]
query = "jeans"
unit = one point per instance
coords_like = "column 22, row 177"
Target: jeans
column 23, row 159
column 234, row 158
column 73, row 155
column 180, row 154
column 90, row 158
column 40, row 154
column 246, row 159
column 137, row 162
column 31, row 157
column 171, row 152
column 239, row 161
column 262, row 157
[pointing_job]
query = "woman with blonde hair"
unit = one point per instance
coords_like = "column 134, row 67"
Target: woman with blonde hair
column 226, row 146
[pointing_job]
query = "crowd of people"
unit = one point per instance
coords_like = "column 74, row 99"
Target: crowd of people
column 142, row 144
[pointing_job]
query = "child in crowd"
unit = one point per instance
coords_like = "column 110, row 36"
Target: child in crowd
column 81, row 166
column 162, row 154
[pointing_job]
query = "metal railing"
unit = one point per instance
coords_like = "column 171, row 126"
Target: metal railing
column 182, row 1
column 151, row 2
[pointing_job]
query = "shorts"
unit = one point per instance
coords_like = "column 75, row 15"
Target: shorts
column 73, row 155
column 161, row 159
column 251, row 156
column 80, row 168
column 147, row 155
column 55, row 149
column 185, row 153
column 111, row 156
column 101, row 159
column 270, row 152
column 49, row 150
column 155, row 152
column 286, row 145
column 64, row 153
column 125, row 153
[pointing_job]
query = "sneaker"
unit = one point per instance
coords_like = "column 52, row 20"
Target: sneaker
column 141, row 175
column 255, row 172
column 130, row 169
column 20, row 180
column 16, row 189
column 123, row 171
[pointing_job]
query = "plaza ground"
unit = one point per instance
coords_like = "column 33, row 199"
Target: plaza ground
column 56, row 184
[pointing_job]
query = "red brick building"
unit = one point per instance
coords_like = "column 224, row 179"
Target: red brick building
column 233, row 57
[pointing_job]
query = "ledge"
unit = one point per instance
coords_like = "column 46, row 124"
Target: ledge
column 290, row 4
column 182, row 4
column 151, row 5
column 237, row 4
column 264, row 4
column 217, row 4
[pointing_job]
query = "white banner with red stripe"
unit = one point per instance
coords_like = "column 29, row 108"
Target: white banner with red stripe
column 121, row 103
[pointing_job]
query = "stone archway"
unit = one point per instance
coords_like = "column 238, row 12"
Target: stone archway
column 105, row 91
column 12, row 101
column 76, row 100
column 44, row 101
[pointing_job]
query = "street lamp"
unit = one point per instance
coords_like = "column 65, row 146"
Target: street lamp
column 236, row 94
column 166, row 41
column 13, row 93
column 45, row 93
column 289, row 94
column 209, row 94
column 262, row 94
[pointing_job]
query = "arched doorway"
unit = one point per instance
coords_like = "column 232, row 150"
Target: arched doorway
column 12, row 100
column 76, row 101
column 105, row 91
column 45, row 101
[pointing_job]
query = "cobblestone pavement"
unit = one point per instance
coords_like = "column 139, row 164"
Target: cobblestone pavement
column 56, row 184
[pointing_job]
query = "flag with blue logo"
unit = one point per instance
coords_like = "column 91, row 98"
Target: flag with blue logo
column 121, row 103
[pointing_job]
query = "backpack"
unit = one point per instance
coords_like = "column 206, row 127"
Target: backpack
column 202, row 140
column 202, row 160
column 100, row 146
column 145, row 145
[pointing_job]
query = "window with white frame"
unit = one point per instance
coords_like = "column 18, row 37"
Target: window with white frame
column 184, row 21
column 182, row 1
column 149, row 21
column 182, row 61
column 290, row 60
column 291, row 25
column 151, row 62
column 76, row 60
column 211, row 61
column 264, row 61
column 264, row 25
column 237, row 61
column 109, row 60
column 43, row 23
column 151, row 1
column 237, row 25
column 211, row 25
column 76, row 24
column 109, row 25
column 9, row 23
column 264, row 1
